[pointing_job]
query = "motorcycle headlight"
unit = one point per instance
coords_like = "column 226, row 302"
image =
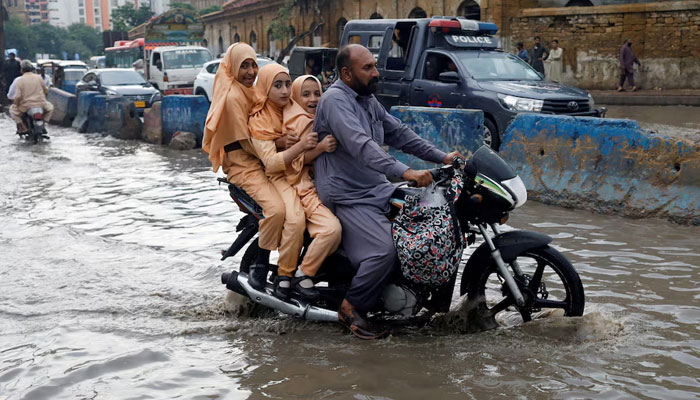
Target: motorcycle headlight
column 517, row 189
column 591, row 102
column 514, row 103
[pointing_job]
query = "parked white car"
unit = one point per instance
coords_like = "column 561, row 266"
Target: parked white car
column 204, row 82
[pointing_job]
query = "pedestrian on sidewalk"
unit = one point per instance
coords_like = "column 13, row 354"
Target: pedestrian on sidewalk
column 627, row 61
column 522, row 53
column 553, row 63
column 537, row 56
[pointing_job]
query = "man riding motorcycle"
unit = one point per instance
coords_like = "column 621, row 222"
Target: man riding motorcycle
column 352, row 181
column 30, row 92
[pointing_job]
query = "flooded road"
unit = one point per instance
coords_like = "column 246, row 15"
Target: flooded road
column 666, row 120
column 109, row 289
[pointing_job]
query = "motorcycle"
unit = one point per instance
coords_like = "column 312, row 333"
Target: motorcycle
column 34, row 120
column 516, row 271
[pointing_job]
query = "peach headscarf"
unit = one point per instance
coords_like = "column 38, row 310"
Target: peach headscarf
column 296, row 118
column 265, row 121
column 227, row 120
column 297, row 121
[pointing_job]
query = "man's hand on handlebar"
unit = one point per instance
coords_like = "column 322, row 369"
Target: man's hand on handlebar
column 450, row 157
column 421, row 177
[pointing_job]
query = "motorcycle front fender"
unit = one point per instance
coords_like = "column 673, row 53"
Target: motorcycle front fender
column 513, row 243
column 510, row 244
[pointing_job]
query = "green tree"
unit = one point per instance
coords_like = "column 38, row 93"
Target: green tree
column 88, row 36
column 20, row 37
column 211, row 9
column 186, row 6
column 126, row 17
column 280, row 25
column 49, row 38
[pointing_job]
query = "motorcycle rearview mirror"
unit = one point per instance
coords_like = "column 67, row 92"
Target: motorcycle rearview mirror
column 470, row 169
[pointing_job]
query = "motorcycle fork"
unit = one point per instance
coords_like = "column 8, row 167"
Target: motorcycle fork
column 501, row 265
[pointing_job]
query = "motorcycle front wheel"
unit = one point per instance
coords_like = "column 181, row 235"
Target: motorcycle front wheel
column 549, row 281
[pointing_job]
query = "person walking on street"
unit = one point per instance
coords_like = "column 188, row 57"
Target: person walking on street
column 522, row 53
column 11, row 70
column 627, row 61
column 537, row 56
column 553, row 62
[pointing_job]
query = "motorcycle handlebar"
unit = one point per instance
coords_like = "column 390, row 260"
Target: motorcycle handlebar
column 438, row 173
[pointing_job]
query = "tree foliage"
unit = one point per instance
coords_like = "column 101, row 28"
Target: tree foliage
column 126, row 17
column 210, row 9
column 186, row 6
column 279, row 27
column 49, row 39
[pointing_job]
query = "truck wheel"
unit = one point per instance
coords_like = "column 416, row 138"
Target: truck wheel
column 491, row 136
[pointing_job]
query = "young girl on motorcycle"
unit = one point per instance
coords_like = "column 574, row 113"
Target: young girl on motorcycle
column 287, row 173
column 227, row 141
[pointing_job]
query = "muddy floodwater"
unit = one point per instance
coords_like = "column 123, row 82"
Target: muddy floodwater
column 109, row 289
column 666, row 120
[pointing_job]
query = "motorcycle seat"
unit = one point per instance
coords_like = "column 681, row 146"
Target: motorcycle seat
column 245, row 202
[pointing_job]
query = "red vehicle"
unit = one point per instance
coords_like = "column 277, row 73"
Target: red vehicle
column 124, row 53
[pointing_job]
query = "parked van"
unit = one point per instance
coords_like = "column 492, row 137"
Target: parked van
column 453, row 62
column 172, row 69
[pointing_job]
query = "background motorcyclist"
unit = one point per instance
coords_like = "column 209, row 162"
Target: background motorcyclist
column 352, row 180
column 30, row 92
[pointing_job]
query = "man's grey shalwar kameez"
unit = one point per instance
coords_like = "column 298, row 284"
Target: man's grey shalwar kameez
column 352, row 182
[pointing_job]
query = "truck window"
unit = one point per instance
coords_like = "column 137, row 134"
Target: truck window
column 375, row 42
column 398, row 55
column 355, row 39
column 156, row 59
column 435, row 64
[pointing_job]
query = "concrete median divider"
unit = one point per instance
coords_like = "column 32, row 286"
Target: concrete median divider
column 65, row 106
column 609, row 166
column 448, row 128
column 80, row 122
column 183, row 113
column 121, row 118
column 152, row 130
column 97, row 108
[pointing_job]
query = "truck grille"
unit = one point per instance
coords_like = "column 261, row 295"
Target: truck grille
column 566, row 106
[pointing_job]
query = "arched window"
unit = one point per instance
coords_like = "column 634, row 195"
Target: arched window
column 339, row 27
column 236, row 38
column 469, row 9
column 376, row 16
column 417, row 13
column 272, row 45
column 221, row 44
column 205, row 43
column 253, row 40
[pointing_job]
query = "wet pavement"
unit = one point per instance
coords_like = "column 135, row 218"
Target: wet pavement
column 109, row 288
column 673, row 121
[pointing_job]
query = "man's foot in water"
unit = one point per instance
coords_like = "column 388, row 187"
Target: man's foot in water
column 358, row 326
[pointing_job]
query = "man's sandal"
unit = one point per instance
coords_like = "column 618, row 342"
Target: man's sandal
column 359, row 327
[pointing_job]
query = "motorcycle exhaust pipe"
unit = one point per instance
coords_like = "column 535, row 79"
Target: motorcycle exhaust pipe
column 236, row 281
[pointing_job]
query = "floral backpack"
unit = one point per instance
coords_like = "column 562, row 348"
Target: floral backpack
column 427, row 236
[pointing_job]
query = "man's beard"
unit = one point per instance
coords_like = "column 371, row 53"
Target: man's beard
column 368, row 89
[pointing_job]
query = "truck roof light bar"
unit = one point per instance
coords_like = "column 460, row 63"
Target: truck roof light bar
column 454, row 25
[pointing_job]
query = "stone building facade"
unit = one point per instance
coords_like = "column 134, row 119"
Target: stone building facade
column 666, row 33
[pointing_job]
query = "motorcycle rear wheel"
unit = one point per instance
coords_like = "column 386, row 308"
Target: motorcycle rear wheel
column 551, row 282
